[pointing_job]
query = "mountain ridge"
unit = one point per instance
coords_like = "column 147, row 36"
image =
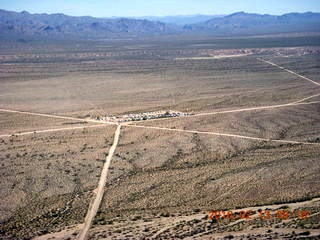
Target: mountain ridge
column 58, row 25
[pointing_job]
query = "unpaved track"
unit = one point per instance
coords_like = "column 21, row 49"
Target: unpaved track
column 100, row 190
column 297, row 103
column 51, row 130
column 304, row 99
column 55, row 116
column 103, row 178
column 223, row 135
column 289, row 71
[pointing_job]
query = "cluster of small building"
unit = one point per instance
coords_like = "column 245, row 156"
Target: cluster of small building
column 143, row 116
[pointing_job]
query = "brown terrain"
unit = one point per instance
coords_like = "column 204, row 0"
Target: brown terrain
column 250, row 141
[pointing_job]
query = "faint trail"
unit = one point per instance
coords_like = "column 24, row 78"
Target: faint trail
column 289, row 71
column 223, row 134
column 92, row 211
column 50, row 130
column 54, row 116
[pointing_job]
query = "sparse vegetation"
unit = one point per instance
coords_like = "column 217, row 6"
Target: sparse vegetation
column 160, row 182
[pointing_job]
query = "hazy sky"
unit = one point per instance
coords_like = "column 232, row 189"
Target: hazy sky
column 126, row 8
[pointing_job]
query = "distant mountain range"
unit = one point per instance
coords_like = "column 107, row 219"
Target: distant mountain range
column 245, row 23
column 26, row 25
column 181, row 19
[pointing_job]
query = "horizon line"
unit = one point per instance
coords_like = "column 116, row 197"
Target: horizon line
column 157, row 16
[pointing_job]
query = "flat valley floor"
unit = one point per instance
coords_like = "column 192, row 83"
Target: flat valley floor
column 251, row 144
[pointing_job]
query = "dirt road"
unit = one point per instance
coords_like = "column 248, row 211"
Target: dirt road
column 304, row 99
column 94, row 206
column 54, row 116
column 167, row 223
column 100, row 190
column 50, row 130
column 261, row 108
column 289, row 71
column 270, row 107
column 223, row 134
column 214, row 57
